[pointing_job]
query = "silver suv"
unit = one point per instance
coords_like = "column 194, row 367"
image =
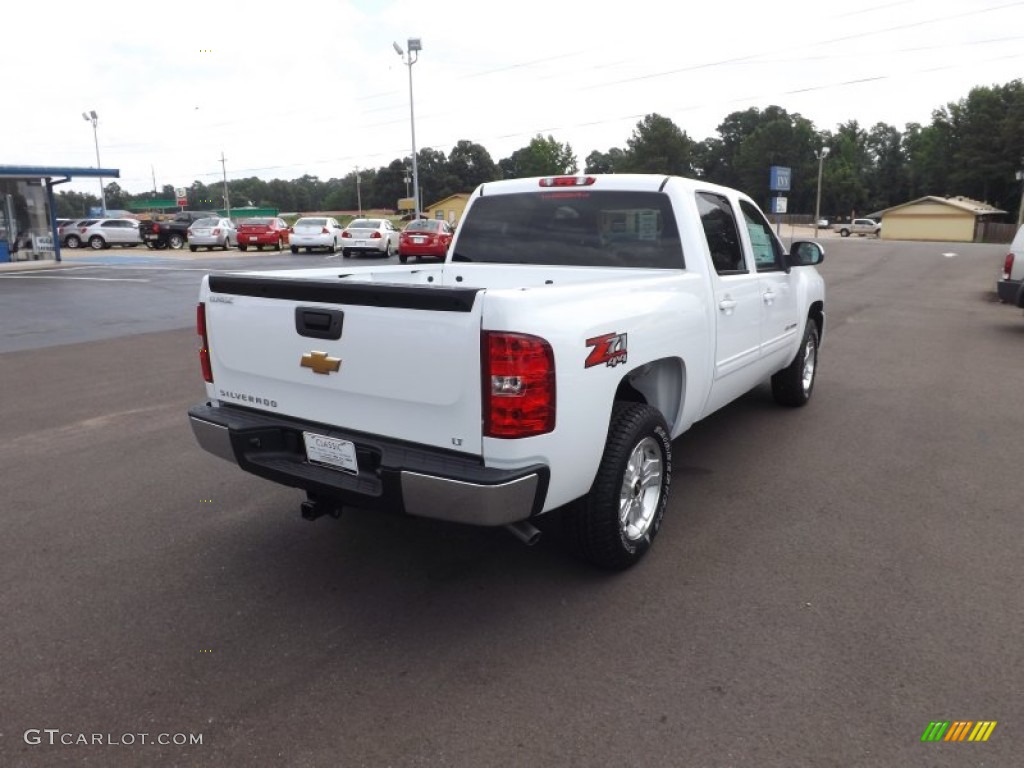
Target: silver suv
column 104, row 233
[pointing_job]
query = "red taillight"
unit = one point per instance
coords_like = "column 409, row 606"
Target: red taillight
column 216, row 231
column 325, row 231
column 567, row 181
column 375, row 236
column 156, row 227
column 519, row 385
column 204, row 350
column 346, row 233
column 1008, row 266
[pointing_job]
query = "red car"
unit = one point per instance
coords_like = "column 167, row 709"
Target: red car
column 270, row 231
column 425, row 238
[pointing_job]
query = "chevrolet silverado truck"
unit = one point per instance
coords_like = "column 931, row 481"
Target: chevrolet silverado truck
column 859, row 227
column 576, row 327
column 172, row 233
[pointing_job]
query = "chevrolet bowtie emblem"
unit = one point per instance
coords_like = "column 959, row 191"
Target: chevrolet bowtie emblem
column 321, row 362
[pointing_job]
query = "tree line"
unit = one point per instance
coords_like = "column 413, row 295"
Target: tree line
column 973, row 147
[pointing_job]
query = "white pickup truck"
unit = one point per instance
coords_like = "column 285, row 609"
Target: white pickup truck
column 578, row 325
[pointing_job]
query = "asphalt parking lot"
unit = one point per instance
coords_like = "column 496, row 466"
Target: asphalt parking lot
column 828, row 581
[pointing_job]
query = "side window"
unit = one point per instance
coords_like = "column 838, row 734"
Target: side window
column 720, row 231
column 767, row 250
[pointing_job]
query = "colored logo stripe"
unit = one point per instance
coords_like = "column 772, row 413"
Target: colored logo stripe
column 982, row 731
column 958, row 730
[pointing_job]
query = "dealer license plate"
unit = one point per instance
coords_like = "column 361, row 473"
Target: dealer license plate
column 330, row 451
column 419, row 240
column 253, row 238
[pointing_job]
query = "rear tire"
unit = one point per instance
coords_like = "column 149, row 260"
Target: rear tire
column 194, row 248
column 295, row 249
column 794, row 384
column 175, row 241
column 242, row 247
column 402, row 258
column 345, row 253
column 73, row 241
column 844, row 232
column 614, row 525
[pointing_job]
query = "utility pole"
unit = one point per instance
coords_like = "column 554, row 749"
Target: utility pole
column 359, row 194
column 227, row 200
column 152, row 170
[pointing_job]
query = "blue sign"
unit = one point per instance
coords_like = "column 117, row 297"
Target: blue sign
column 780, row 178
column 95, row 212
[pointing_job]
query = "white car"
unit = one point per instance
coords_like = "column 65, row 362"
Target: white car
column 1010, row 286
column 105, row 233
column 373, row 236
column 212, row 233
column 70, row 234
column 311, row 232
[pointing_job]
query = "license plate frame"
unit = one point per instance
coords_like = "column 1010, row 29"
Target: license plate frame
column 331, row 452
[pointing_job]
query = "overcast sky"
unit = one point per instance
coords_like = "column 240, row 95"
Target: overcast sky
column 315, row 86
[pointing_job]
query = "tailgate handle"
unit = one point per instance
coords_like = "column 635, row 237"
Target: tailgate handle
column 318, row 323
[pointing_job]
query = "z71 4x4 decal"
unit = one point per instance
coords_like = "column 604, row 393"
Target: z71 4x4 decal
column 609, row 348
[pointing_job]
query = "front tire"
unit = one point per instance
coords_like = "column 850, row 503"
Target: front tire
column 614, row 525
column 794, row 384
column 97, row 243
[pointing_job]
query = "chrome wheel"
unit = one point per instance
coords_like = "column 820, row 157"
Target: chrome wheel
column 810, row 363
column 641, row 489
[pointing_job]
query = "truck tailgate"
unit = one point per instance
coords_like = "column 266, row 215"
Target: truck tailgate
column 407, row 358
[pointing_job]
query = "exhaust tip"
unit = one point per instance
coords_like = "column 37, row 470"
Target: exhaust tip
column 525, row 531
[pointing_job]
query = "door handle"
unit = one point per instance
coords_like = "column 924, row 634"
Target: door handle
column 727, row 305
column 769, row 296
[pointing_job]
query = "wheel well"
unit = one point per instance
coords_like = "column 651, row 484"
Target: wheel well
column 817, row 314
column 659, row 383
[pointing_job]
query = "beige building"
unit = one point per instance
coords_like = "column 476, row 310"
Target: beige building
column 949, row 219
column 450, row 208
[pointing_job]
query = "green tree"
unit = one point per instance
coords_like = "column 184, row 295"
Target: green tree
column 658, row 146
column 541, row 157
column 469, row 166
column 611, row 161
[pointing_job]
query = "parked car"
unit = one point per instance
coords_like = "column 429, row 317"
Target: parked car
column 212, row 233
column 860, row 227
column 425, row 238
column 71, row 234
column 374, row 236
column 1010, row 286
column 104, row 233
column 267, row 230
column 311, row 232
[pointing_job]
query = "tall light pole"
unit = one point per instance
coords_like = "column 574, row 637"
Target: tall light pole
column 91, row 117
column 359, row 193
column 414, row 46
column 821, row 155
column 227, row 199
column 1020, row 211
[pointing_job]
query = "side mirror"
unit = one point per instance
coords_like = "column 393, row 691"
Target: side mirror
column 805, row 253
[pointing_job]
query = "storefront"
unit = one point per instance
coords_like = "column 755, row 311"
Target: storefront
column 28, row 224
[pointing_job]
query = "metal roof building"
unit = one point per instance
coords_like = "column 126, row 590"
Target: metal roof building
column 949, row 219
column 28, row 223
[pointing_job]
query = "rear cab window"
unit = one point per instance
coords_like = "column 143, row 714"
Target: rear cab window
column 587, row 228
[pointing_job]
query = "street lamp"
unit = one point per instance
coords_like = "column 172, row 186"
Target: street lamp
column 817, row 205
column 413, row 46
column 359, row 193
column 91, row 117
column 1020, row 211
